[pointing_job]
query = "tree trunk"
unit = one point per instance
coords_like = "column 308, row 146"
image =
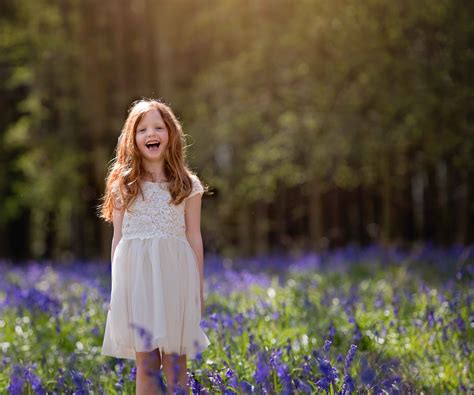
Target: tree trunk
column 315, row 216
column 245, row 234
column 462, row 207
column 261, row 226
column 386, row 204
column 417, row 188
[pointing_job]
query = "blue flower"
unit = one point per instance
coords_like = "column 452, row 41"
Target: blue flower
column 262, row 370
column 327, row 346
column 350, row 356
column 133, row 374
column 349, row 385
column 367, row 375
column 17, row 381
column 303, row 386
column 329, row 372
column 34, row 380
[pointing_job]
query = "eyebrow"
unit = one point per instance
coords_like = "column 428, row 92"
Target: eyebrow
column 155, row 124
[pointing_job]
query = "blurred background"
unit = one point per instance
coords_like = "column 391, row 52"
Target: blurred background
column 315, row 124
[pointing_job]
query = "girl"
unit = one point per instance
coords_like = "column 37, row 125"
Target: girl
column 154, row 203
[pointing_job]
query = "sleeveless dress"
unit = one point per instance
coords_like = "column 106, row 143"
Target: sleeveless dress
column 155, row 297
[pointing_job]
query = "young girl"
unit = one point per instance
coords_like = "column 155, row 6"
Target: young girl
column 154, row 202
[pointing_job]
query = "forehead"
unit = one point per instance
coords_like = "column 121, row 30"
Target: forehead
column 151, row 116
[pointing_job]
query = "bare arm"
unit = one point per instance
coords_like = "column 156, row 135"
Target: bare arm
column 117, row 219
column 193, row 235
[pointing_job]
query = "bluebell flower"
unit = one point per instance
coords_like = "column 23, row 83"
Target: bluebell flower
column 350, row 356
column 80, row 382
column 246, row 387
column 84, row 299
column 252, row 346
column 325, row 367
column 17, row 381
column 349, row 385
column 460, row 323
column 303, row 386
column 323, row 383
column 34, row 380
column 58, row 326
column 430, row 317
column 275, row 357
column 195, row 385
column 133, row 374
column 357, row 333
column 288, row 346
column 327, row 346
column 262, row 370
column 332, row 331
column 367, row 376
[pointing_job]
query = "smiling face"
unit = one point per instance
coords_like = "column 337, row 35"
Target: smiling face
column 152, row 137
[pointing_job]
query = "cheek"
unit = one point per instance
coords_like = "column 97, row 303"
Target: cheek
column 138, row 140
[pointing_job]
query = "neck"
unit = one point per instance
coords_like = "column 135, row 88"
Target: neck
column 156, row 170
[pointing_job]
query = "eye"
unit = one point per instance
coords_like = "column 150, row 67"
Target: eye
column 141, row 130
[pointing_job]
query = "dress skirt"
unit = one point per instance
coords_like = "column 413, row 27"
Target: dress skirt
column 155, row 299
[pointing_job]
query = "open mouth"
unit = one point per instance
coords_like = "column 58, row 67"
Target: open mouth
column 153, row 146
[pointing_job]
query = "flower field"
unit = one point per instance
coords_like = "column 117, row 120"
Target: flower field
column 369, row 320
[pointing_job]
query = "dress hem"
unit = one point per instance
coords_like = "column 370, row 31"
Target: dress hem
column 125, row 352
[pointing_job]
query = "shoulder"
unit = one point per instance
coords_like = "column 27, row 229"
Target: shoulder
column 195, row 179
column 115, row 186
column 116, row 194
column 197, row 186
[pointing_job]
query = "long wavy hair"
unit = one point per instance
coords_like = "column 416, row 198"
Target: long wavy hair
column 126, row 169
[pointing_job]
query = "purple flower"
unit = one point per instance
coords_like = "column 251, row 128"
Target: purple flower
column 34, row 380
column 367, row 376
column 252, row 346
column 246, row 387
column 262, row 370
column 303, row 386
column 288, row 346
column 325, row 367
column 350, row 356
column 275, row 357
column 357, row 333
column 332, row 331
column 80, row 382
column 229, row 373
column 327, row 346
column 349, row 385
column 196, row 386
column 323, row 383
column 17, row 381
column 133, row 374
column 430, row 317
column 460, row 323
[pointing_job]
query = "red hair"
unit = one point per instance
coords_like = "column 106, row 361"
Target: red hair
column 127, row 170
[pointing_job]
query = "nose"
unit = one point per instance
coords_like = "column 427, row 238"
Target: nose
column 150, row 131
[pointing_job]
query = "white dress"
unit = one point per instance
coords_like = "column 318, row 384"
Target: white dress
column 155, row 298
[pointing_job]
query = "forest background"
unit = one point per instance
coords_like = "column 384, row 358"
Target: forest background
column 315, row 124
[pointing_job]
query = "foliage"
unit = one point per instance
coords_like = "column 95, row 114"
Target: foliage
column 351, row 320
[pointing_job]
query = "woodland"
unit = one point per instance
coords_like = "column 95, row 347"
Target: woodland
column 314, row 124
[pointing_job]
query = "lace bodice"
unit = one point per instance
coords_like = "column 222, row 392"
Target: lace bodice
column 153, row 216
